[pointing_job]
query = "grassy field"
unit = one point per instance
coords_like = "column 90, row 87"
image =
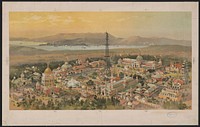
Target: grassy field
column 25, row 55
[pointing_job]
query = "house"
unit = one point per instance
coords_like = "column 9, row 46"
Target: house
column 73, row 83
column 99, row 63
column 149, row 91
column 169, row 94
column 149, row 65
column 123, row 102
column 138, row 90
column 130, row 62
column 157, row 77
column 176, row 67
column 177, row 83
column 36, row 76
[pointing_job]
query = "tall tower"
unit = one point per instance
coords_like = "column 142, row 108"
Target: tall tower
column 107, row 56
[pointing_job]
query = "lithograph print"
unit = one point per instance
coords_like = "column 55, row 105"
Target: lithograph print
column 91, row 62
column 100, row 60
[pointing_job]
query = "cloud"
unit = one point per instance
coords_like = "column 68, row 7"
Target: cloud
column 127, row 18
column 85, row 20
column 17, row 22
column 121, row 20
column 68, row 20
column 53, row 19
column 50, row 19
column 33, row 18
column 30, row 18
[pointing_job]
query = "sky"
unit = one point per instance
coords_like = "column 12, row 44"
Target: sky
column 174, row 25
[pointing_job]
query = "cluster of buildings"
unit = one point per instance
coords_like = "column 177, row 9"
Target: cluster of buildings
column 140, row 63
column 159, row 85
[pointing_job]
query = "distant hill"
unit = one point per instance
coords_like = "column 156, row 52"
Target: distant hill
column 143, row 41
column 22, row 54
column 19, row 39
column 169, row 48
column 99, row 39
column 78, row 39
column 23, row 50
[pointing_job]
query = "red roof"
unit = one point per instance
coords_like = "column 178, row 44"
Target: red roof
column 127, row 61
column 178, row 81
column 178, row 65
column 149, row 64
column 79, row 67
column 117, row 78
column 122, row 101
column 48, row 91
column 56, row 89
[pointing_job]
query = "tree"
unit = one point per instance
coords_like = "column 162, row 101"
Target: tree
column 70, row 88
column 82, row 102
column 94, row 75
column 182, row 105
column 90, row 83
column 121, row 75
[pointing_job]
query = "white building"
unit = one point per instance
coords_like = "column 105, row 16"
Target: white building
column 73, row 83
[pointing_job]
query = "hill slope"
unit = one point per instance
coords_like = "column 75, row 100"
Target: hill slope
column 23, row 50
column 78, row 39
column 99, row 39
column 140, row 41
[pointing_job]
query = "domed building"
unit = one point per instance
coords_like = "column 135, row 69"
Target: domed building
column 139, row 61
column 65, row 66
column 139, row 58
column 48, row 77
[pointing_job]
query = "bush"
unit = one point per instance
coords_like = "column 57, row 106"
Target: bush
column 90, row 83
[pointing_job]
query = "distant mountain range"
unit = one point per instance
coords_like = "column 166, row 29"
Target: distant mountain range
column 23, row 50
column 137, row 40
column 99, row 39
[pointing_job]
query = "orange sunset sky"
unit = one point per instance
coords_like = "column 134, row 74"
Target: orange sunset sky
column 175, row 25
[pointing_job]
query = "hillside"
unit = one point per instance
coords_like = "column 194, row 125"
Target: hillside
column 174, row 48
column 140, row 41
column 87, row 39
column 22, row 50
column 78, row 39
column 19, row 39
column 21, row 54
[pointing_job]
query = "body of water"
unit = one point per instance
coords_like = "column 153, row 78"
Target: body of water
column 56, row 48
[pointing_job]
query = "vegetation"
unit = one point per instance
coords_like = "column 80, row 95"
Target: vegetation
column 121, row 75
column 56, row 64
column 70, row 98
column 90, row 83
column 175, row 105
column 73, row 62
column 115, row 59
column 94, row 75
column 94, row 59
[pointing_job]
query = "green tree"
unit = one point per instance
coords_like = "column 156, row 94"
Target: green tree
column 121, row 75
column 182, row 105
column 90, row 83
